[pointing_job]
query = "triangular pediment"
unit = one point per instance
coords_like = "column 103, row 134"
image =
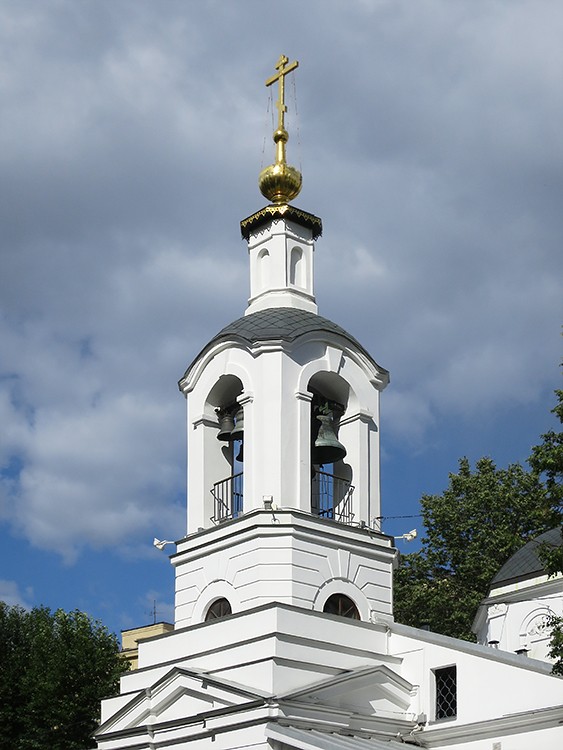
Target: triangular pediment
column 179, row 695
column 369, row 691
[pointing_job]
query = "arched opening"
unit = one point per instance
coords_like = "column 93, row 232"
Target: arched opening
column 331, row 488
column 227, row 491
column 218, row 609
column 297, row 267
column 341, row 605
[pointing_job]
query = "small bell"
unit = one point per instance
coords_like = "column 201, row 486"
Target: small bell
column 327, row 448
column 226, row 425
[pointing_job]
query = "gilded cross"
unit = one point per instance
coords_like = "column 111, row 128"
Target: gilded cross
column 283, row 69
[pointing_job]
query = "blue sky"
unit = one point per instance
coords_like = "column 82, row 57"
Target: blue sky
column 131, row 137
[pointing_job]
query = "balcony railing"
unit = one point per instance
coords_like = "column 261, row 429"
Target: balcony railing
column 331, row 497
column 228, row 497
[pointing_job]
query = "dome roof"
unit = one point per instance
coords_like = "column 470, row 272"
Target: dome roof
column 525, row 563
column 280, row 323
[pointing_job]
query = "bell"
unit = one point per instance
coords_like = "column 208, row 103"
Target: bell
column 226, row 425
column 240, row 456
column 238, row 429
column 327, row 448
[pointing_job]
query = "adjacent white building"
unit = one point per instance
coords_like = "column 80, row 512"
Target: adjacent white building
column 284, row 634
column 521, row 600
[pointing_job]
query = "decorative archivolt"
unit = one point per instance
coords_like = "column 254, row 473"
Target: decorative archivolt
column 219, row 589
column 342, row 585
column 534, row 625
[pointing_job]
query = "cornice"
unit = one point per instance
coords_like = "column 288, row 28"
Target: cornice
column 284, row 211
column 517, row 723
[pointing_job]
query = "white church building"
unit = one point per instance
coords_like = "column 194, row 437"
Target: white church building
column 522, row 597
column 284, row 634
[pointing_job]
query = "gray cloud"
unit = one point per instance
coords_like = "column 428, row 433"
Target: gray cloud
column 130, row 143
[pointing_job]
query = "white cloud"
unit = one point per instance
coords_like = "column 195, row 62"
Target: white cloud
column 11, row 595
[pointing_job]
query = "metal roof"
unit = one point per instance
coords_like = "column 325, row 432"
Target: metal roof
column 280, row 323
column 525, row 563
column 313, row 739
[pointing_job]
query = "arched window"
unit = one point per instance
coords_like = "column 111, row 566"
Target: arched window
column 339, row 604
column 219, row 608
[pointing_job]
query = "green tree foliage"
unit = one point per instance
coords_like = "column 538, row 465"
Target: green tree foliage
column 547, row 460
column 472, row 528
column 55, row 667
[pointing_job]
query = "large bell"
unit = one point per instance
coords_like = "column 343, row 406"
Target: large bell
column 237, row 432
column 226, row 425
column 327, row 448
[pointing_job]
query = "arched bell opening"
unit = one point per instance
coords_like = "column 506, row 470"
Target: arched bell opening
column 331, row 476
column 227, row 489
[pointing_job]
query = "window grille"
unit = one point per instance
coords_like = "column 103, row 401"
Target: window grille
column 339, row 604
column 446, row 692
column 219, row 608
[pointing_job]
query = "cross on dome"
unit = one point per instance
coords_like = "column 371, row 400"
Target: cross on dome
column 280, row 78
column 280, row 182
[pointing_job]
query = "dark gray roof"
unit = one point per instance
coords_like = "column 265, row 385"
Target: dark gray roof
column 525, row 563
column 280, row 323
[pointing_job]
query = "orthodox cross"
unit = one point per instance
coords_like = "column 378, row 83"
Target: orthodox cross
column 283, row 69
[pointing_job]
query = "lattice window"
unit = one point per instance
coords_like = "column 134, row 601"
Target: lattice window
column 446, row 692
column 339, row 604
column 219, row 608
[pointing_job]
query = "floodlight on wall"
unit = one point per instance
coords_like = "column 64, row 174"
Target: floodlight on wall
column 161, row 544
column 409, row 536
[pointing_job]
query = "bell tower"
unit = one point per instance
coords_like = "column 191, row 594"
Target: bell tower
column 283, row 437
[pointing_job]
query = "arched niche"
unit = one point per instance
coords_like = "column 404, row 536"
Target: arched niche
column 263, row 270
column 297, row 270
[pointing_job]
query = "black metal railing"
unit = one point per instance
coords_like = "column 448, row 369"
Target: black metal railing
column 228, row 495
column 331, row 497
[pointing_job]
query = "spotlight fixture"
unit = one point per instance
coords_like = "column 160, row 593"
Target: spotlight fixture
column 161, row 544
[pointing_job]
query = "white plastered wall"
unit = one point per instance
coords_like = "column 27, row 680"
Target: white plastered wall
column 281, row 267
column 282, row 556
column 515, row 617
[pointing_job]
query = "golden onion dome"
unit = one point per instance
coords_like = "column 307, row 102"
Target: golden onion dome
column 280, row 183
